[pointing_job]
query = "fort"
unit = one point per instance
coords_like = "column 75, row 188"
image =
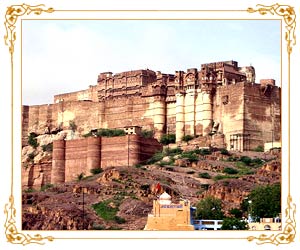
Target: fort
column 220, row 98
column 220, row 103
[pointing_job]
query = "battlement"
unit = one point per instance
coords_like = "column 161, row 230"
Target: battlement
column 141, row 75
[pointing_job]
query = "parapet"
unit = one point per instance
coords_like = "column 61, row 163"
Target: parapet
column 265, row 82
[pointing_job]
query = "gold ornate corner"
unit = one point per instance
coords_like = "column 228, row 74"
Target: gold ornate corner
column 11, row 231
column 11, row 17
column 289, row 231
column 289, row 16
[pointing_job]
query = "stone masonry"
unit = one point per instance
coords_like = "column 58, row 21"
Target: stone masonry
column 219, row 98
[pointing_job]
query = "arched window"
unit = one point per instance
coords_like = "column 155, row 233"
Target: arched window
column 267, row 227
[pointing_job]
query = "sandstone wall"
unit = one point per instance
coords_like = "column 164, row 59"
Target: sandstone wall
column 229, row 110
column 73, row 157
column 248, row 109
column 262, row 114
column 89, row 94
column 36, row 175
column 147, row 112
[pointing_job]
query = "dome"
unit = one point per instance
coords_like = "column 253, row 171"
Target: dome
column 165, row 198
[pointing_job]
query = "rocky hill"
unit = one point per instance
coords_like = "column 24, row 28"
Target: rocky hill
column 121, row 198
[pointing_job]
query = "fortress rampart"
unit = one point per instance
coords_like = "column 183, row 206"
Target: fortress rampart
column 70, row 158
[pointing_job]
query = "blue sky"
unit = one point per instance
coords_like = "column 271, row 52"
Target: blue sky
column 64, row 56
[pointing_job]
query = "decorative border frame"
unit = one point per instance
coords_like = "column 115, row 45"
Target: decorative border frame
column 14, row 236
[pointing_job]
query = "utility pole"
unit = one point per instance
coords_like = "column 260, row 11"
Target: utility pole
column 83, row 213
column 128, row 150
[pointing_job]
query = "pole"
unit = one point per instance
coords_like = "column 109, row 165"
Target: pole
column 128, row 151
column 83, row 224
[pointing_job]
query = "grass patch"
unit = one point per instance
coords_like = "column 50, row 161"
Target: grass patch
column 222, row 177
column 173, row 151
column 205, row 175
column 230, row 171
column 47, row 186
column 29, row 190
column 190, row 155
column 155, row 158
column 104, row 132
column 108, row 209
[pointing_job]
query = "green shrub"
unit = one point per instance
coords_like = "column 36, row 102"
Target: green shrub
column 47, row 147
column 205, row 175
column 32, row 141
column 224, row 151
column 204, row 186
column 167, row 139
column 256, row 162
column 72, row 125
column 173, row 151
column 147, row 133
column 230, row 171
column 106, row 133
column 232, row 158
column 247, row 160
column 80, row 176
column 119, row 220
column 155, row 158
column 187, row 138
column 47, row 186
column 190, row 155
column 221, row 177
column 29, row 190
column 205, row 151
column 31, row 156
column 190, row 172
column 259, row 148
column 138, row 165
column 96, row 171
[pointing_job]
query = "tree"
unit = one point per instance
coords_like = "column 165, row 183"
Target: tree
column 265, row 201
column 210, row 208
column 234, row 224
column 237, row 213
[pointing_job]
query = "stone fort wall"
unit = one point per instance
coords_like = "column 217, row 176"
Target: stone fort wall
column 73, row 157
